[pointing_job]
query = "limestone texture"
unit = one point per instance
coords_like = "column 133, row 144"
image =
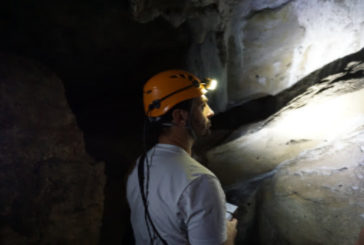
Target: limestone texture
column 258, row 48
column 281, row 44
column 308, row 155
column 319, row 109
column 316, row 197
column 51, row 191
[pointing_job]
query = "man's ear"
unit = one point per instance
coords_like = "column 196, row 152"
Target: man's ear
column 179, row 117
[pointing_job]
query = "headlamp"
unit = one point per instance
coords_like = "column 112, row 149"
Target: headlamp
column 209, row 83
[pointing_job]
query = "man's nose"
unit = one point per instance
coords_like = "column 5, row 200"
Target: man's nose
column 210, row 112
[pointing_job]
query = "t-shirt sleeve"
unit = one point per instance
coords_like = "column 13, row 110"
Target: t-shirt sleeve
column 203, row 210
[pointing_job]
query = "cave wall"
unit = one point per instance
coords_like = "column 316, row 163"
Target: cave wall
column 102, row 58
column 283, row 43
column 261, row 47
column 297, row 175
column 104, row 51
column 51, row 190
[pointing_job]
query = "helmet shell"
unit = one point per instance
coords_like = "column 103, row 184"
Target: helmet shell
column 165, row 84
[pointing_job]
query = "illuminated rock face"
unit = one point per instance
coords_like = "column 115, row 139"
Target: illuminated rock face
column 282, row 45
column 325, row 109
column 261, row 47
column 317, row 197
column 51, row 191
column 314, row 149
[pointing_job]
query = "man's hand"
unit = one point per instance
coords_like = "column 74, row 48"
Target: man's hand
column 361, row 238
column 231, row 231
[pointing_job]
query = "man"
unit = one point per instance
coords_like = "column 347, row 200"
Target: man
column 173, row 198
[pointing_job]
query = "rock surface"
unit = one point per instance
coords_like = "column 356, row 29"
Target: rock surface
column 261, row 47
column 324, row 110
column 51, row 191
column 103, row 57
column 317, row 197
column 310, row 152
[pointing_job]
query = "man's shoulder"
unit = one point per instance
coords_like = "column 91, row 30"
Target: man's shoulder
column 172, row 156
column 173, row 165
column 193, row 169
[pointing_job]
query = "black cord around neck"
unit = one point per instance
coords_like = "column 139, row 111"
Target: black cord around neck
column 141, row 185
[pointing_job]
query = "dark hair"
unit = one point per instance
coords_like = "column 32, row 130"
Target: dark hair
column 154, row 128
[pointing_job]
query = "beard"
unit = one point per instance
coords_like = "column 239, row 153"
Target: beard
column 202, row 128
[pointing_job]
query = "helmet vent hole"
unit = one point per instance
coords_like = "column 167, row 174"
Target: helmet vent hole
column 173, row 76
column 182, row 75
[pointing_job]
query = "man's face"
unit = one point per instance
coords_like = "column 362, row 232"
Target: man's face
column 201, row 114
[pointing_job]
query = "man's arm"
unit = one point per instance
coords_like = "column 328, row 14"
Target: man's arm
column 202, row 207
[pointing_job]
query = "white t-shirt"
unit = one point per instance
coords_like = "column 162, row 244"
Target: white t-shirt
column 185, row 200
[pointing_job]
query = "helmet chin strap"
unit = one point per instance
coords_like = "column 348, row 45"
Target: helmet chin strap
column 192, row 132
column 169, row 124
column 189, row 123
column 189, row 127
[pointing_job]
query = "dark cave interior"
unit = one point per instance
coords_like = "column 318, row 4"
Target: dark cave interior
column 103, row 58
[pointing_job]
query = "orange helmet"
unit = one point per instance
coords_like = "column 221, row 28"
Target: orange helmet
column 168, row 88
